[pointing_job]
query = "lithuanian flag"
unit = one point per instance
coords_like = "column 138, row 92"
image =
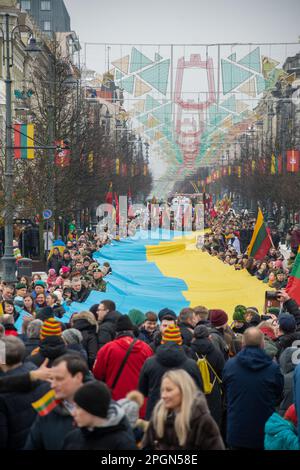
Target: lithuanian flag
column 24, row 138
column 261, row 240
column 46, row 404
column 293, row 285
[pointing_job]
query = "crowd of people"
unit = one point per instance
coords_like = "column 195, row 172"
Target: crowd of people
column 146, row 380
column 229, row 238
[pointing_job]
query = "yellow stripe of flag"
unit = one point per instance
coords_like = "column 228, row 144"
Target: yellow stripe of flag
column 30, row 141
column 259, row 222
column 49, row 395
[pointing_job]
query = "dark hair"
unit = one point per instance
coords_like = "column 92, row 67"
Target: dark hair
column 151, row 316
column 109, row 305
column 93, row 309
column 186, row 314
column 32, row 307
column 9, row 302
column 74, row 364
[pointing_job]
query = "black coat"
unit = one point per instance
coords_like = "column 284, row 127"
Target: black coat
column 89, row 335
column 51, row 348
column 48, row 432
column 186, row 333
column 31, row 344
column 286, row 341
column 107, row 329
column 116, row 435
column 168, row 356
column 55, row 262
column 16, row 412
column 204, row 347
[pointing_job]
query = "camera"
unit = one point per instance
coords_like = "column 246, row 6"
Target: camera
column 271, row 295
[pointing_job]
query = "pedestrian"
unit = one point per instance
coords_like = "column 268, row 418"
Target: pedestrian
column 181, row 419
column 16, row 412
column 51, row 344
column 204, row 348
column 253, row 386
column 87, row 325
column 169, row 355
column 32, row 339
column 102, row 424
column 120, row 361
column 55, row 261
column 107, row 318
column 73, row 340
column 48, row 431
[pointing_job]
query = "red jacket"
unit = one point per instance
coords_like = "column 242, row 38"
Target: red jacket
column 109, row 359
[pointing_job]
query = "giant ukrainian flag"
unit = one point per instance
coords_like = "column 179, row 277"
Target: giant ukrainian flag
column 153, row 273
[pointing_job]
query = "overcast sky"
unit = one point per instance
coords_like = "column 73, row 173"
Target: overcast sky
column 185, row 21
column 181, row 22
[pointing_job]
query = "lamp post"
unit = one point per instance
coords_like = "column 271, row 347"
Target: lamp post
column 8, row 260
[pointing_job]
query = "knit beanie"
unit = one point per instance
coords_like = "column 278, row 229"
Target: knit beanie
column 218, row 318
column 239, row 313
column 20, row 285
column 201, row 331
column 287, row 323
column 137, row 317
column 274, row 310
column 172, row 333
column 72, row 336
column 124, row 324
column 166, row 312
column 94, row 397
column 19, row 301
column 45, row 313
column 40, row 283
column 50, row 327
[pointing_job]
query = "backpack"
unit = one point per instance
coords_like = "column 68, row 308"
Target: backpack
column 204, row 366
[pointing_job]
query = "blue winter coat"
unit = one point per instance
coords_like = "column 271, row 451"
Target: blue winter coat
column 280, row 434
column 254, row 386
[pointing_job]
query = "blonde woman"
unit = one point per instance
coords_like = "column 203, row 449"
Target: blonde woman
column 181, row 419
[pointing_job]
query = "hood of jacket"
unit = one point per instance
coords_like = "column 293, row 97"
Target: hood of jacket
column 170, row 355
column 277, row 424
column 253, row 358
column 202, row 346
column 124, row 342
column 52, row 347
column 286, row 360
column 84, row 321
column 115, row 419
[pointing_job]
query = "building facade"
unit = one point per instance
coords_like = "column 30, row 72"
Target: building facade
column 51, row 15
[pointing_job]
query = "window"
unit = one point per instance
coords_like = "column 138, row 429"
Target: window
column 26, row 4
column 47, row 25
column 45, row 5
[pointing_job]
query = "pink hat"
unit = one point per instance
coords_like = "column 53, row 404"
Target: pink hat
column 65, row 269
column 52, row 272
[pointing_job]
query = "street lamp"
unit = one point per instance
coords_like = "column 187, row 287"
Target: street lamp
column 8, row 259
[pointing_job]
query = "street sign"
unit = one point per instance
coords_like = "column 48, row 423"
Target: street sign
column 47, row 214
